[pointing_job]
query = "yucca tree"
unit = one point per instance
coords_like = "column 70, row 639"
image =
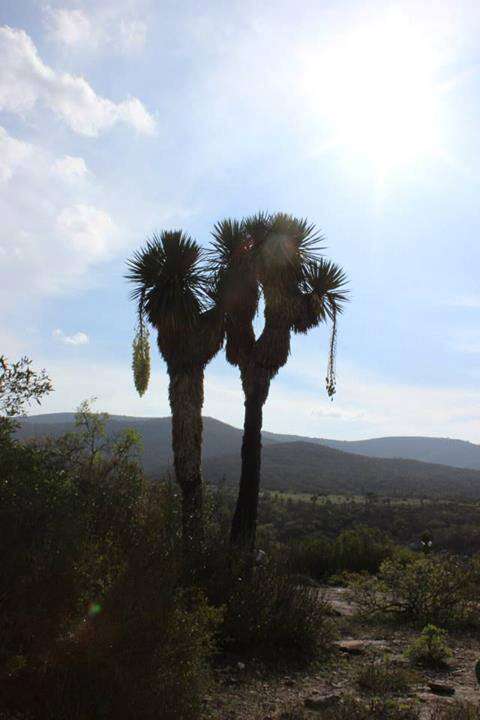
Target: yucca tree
column 275, row 258
column 177, row 297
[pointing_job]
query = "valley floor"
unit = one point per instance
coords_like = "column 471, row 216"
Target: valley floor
column 251, row 692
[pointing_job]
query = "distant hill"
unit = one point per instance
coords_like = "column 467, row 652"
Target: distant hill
column 314, row 468
column 411, row 466
column 219, row 438
column 445, row 451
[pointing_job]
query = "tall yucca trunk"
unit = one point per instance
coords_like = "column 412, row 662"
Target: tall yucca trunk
column 244, row 523
column 270, row 353
column 186, row 401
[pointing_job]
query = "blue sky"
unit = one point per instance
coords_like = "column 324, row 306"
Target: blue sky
column 121, row 118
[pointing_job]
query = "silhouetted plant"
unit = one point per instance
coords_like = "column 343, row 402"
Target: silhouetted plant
column 177, row 297
column 275, row 257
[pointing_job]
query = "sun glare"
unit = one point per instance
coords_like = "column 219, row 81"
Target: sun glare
column 377, row 91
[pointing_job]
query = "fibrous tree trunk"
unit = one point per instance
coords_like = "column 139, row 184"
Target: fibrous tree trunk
column 256, row 382
column 186, row 401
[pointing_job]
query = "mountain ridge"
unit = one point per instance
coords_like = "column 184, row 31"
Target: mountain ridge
column 297, row 465
column 431, row 449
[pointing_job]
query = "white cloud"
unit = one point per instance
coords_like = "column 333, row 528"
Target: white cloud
column 368, row 407
column 69, row 27
column 87, row 229
column 133, row 34
column 78, row 338
column 12, row 154
column 52, row 231
column 25, row 81
column 106, row 27
column 70, row 168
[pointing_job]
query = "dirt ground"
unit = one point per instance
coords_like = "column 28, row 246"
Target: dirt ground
column 252, row 692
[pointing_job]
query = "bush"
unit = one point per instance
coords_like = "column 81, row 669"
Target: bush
column 425, row 589
column 150, row 663
column 380, row 677
column 67, row 510
column 361, row 549
column 142, row 650
column 94, row 620
column 430, row 649
column 270, row 616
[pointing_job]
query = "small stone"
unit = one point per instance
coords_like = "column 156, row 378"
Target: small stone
column 241, row 666
column 441, row 689
column 320, row 702
column 359, row 647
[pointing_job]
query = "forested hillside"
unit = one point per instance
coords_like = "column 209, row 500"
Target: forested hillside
column 295, row 466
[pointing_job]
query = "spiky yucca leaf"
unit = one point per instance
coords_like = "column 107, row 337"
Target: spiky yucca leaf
column 229, row 245
column 281, row 246
column 237, row 291
column 169, row 282
column 141, row 359
column 325, row 281
column 323, row 285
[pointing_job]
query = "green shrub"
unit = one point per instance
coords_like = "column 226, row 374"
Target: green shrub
column 381, row 677
column 312, row 557
column 430, row 649
column 67, row 513
column 154, row 665
column 269, row 615
column 94, row 620
column 361, row 549
column 425, row 589
column 141, row 651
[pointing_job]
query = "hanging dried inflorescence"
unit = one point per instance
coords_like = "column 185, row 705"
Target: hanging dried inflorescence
column 331, row 379
column 141, row 354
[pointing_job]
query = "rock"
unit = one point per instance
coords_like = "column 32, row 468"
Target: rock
column 320, row 702
column 441, row 689
column 241, row 666
column 359, row 647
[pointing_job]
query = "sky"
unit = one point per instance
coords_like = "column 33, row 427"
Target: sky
column 119, row 118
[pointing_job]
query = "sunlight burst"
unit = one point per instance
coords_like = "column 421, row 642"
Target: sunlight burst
column 378, row 91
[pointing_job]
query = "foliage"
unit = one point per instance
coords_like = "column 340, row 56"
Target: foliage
column 430, row 649
column 66, row 509
column 177, row 295
column 423, row 589
column 145, row 655
column 111, row 632
column 19, row 386
column 268, row 615
column 381, row 677
column 275, row 257
column 357, row 550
